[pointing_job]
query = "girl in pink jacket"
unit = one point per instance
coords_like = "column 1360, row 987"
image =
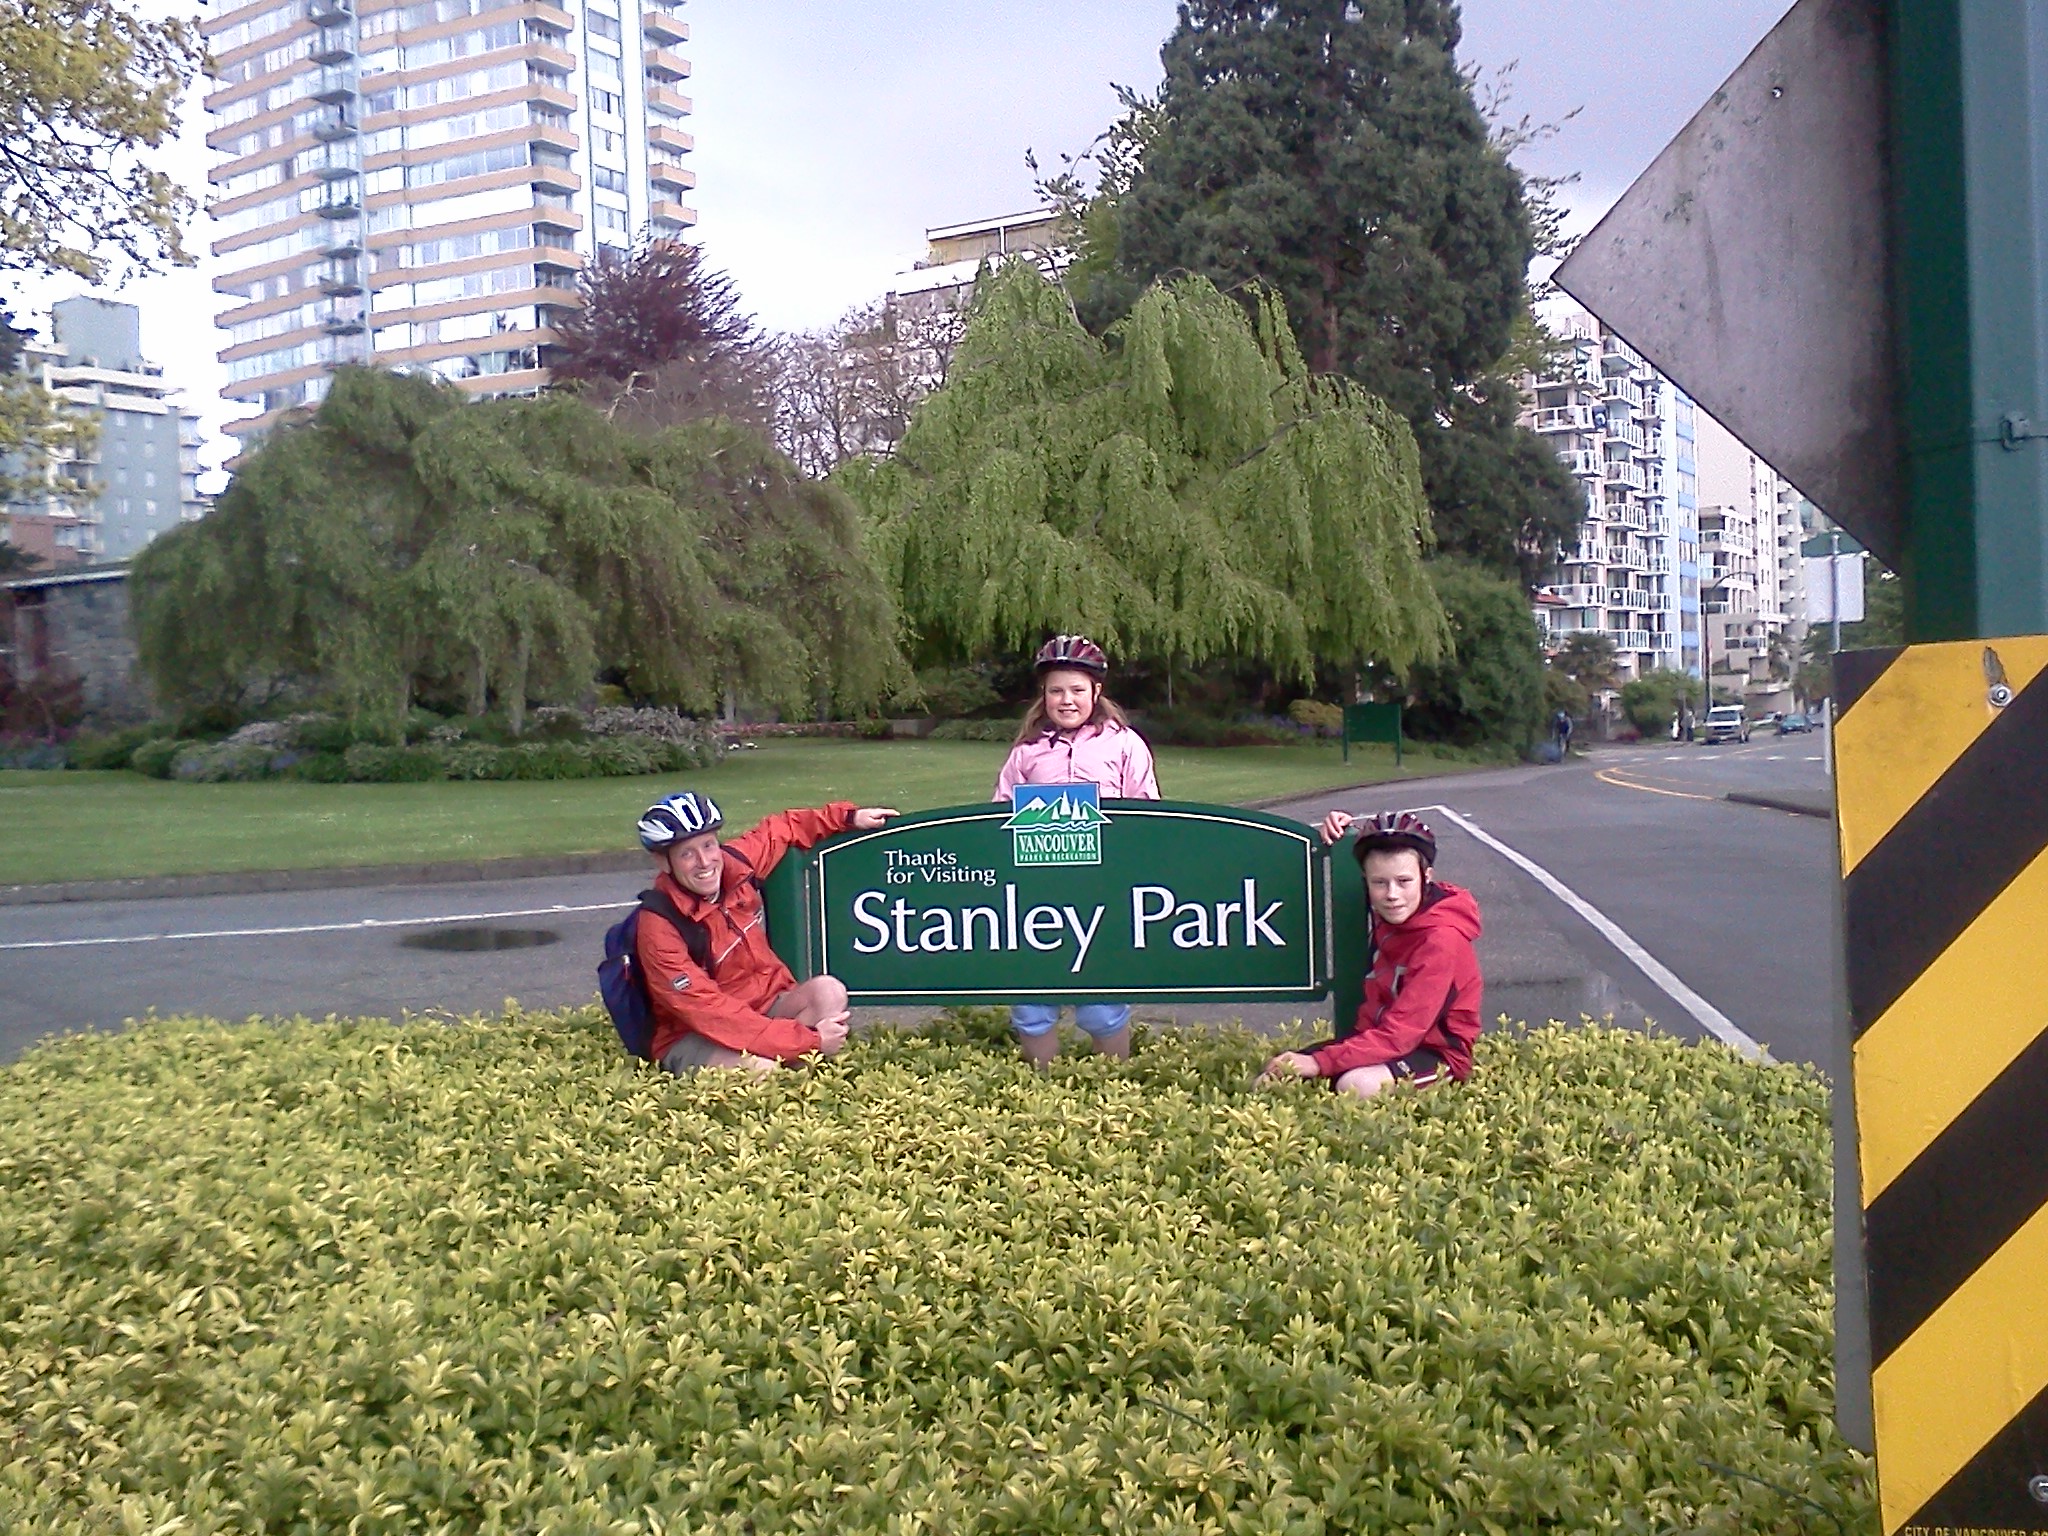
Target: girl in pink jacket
column 1073, row 734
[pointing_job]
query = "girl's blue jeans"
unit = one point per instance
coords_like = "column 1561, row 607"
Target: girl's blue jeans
column 1095, row 1019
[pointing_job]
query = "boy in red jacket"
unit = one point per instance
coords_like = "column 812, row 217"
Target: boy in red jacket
column 1423, row 997
column 739, row 1006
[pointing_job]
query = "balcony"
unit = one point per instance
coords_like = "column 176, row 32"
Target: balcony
column 1579, row 595
column 341, row 275
column 674, row 140
column 334, row 161
column 343, row 320
column 1631, row 639
column 334, row 85
column 339, row 200
column 662, row 25
column 1628, row 598
column 343, row 239
column 1563, row 418
column 555, row 173
column 666, row 173
column 663, row 211
column 332, row 45
column 1583, row 462
column 1621, row 471
column 336, row 125
column 668, row 103
column 555, row 213
column 665, row 64
column 1663, row 640
column 1625, row 432
column 1621, row 387
column 330, row 13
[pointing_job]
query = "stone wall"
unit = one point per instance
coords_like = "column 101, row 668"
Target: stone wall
column 77, row 626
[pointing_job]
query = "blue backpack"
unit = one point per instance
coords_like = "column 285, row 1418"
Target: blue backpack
column 620, row 981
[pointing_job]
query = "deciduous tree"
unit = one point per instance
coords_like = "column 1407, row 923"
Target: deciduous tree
column 85, row 87
column 1192, row 491
column 406, row 541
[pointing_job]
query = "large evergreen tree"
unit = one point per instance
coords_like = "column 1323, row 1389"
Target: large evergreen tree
column 1191, row 491
column 405, row 541
column 1332, row 149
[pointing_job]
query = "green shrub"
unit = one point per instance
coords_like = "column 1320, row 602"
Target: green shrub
column 953, row 693
column 974, row 730
column 322, row 733
column 217, row 762
column 153, row 758
column 1491, row 691
column 1188, row 728
column 489, row 1275
column 109, row 749
column 319, row 767
column 369, row 764
column 1318, row 716
column 1651, row 701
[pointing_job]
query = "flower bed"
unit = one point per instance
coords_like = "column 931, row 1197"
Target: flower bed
column 489, row 1275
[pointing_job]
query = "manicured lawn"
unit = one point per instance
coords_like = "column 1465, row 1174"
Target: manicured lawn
column 92, row 826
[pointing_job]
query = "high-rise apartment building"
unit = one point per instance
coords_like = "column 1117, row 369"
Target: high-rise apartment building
column 1751, row 578
column 1625, row 432
column 140, row 475
column 418, row 183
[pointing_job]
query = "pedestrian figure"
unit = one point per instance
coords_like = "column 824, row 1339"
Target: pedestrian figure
column 1073, row 734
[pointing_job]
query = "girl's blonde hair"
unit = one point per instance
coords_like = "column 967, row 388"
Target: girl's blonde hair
column 1036, row 725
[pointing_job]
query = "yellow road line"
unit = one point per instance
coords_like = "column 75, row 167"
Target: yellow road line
column 1612, row 776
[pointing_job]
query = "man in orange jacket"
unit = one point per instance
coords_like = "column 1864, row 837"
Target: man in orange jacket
column 733, row 1003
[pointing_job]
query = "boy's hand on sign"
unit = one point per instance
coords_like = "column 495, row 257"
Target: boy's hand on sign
column 870, row 817
column 1335, row 825
column 832, row 1033
column 1290, row 1064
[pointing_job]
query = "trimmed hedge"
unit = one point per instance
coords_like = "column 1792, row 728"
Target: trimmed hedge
column 490, row 1276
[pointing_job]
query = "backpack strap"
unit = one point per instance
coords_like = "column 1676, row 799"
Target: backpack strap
column 753, row 879
column 695, row 936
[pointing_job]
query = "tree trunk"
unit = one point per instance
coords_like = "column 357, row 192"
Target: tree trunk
column 515, row 703
column 479, row 684
column 729, row 707
column 1169, row 682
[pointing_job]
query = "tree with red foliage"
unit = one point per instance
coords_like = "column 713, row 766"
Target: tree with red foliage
column 661, row 338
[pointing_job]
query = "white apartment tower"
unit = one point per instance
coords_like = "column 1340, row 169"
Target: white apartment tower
column 1625, row 432
column 1752, row 582
column 418, row 183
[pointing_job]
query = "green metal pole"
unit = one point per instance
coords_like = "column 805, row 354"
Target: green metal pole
column 1969, row 161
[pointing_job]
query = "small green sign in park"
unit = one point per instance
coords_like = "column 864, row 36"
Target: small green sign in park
column 1061, row 897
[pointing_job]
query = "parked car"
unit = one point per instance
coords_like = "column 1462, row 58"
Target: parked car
column 1790, row 725
column 1726, row 722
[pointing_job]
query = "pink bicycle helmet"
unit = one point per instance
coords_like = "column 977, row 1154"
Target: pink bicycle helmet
column 1395, row 829
column 1075, row 651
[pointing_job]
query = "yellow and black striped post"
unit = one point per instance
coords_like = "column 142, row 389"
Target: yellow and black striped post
column 1941, row 786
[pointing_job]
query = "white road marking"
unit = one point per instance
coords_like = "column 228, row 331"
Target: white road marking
column 1816, row 757
column 1708, row 1017
column 1775, row 757
column 360, row 925
column 1710, row 757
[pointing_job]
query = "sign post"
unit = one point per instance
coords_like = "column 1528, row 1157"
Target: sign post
column 1060, row 898
column 1372, row 722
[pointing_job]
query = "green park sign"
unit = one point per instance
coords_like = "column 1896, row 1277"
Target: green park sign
column 1061, row 897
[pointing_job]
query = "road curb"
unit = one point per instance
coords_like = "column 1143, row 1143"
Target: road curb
column 341, row 877
column 257, row 881
column 1777, row 803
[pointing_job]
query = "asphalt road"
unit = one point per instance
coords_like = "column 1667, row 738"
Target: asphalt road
column 1729, row 901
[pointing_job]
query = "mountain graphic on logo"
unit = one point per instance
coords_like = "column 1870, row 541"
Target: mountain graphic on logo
column 1065, row 811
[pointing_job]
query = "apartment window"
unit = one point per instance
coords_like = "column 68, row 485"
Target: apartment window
column 602, row 25
column 612, row 219
column 149, row 483
column 609, row 180
column 604, row 65
column 607, row 102
column 606, row 142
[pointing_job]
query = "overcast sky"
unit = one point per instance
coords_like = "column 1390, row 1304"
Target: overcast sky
column 829, row 136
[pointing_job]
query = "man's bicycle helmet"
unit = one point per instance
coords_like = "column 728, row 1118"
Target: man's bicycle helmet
column 1075, row 651
column 675, row 817
column 1395, row 829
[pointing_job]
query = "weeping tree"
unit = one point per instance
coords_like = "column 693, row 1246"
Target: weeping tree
column 1184, row 490
column 406, row 542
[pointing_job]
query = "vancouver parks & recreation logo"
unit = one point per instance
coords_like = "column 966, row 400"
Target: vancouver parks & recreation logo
column 1056, row 824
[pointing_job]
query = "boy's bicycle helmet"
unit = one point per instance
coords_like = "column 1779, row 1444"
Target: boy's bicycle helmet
column 675, row 817
column 1395, row 829
column 1076, row 651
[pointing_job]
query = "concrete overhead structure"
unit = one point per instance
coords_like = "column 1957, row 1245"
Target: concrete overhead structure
column 418, row 184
